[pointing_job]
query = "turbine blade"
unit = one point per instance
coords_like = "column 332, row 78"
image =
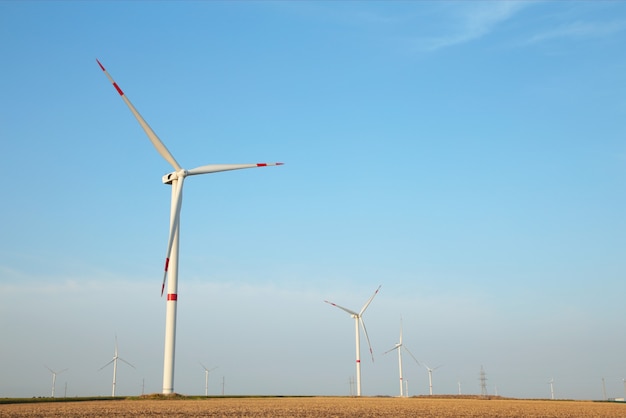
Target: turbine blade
column 175, row 216
column 389, row 351
column 407, row 350
column 367, row 337
column 119, row 358
column 160, row 147
column 214, row 168
column 342, row 308
column 369, row 301
column 106, row 364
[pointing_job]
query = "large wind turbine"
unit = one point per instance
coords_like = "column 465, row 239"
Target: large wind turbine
column 399, row 346
column 54, row 377
column 206, row 378
column 358, row 317
column 175, row 179
column 114, row 360
column 430, row 376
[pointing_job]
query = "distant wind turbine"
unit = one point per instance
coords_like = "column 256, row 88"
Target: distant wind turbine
column 551, row 382
column 54, row 377
column 175, row 179
column 358, row 318
column 399, row 346
column 206, row 378
column 430, row 376
column 116, row 357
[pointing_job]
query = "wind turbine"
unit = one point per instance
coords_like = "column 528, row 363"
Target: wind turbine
column 175, row 179
column 358, row 317
column 430, row 376
column 399, row 346
column 54, row 377
column 206, row 378
column 551, row 382
column 116, row 357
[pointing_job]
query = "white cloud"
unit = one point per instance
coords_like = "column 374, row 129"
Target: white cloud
column 580, row 30
column 472, row 22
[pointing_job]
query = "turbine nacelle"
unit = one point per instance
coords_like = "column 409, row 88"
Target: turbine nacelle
column 175, row 175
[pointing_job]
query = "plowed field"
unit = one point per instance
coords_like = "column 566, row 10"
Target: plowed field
column 324, row 407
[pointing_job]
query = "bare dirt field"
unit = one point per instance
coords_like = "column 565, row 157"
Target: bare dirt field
column 325, row 407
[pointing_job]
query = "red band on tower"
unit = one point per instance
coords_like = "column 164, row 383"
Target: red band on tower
column 172, row 296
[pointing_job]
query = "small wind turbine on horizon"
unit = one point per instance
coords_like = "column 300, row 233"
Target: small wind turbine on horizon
column 358, row 318
column 551, row 382
column 114, row 360
column 175, row 179
column 54, row 377
column 430, row 376
column 399, row 346
column 206, row 378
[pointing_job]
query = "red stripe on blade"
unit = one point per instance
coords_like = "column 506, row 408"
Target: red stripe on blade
column 172, row 296
column 261, row 165
column 167, row 263
column 119, row 90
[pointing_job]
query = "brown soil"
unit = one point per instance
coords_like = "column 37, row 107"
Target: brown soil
column 326, row 407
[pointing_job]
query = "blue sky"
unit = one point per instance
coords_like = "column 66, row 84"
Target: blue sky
column 470, row 157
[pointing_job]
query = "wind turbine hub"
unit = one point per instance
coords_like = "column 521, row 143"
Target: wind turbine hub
column 175, row 175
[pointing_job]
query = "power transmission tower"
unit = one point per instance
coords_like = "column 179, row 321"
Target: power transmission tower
column 483, row 382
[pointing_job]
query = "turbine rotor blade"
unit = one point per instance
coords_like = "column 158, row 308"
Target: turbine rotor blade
column 367, row 337
column 174, row 223
column 214, row 168
column 160, row 147
column 411, row 354
column 369, row 301
column 389, row 351
column 342, row 308
column 106, row 364
column 119, row 358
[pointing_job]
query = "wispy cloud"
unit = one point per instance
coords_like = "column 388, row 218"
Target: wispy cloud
column 579, row 30
column 471, row 22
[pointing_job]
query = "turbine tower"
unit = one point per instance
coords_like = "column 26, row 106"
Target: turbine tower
column 54, row 377
column 399, row 346
column 116, row 357
column 430, row 376
column 358, row 318
column 175, row 179
column 206, row 378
